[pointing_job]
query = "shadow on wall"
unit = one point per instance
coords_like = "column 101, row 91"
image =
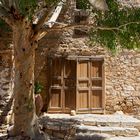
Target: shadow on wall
column 6, row 86
column 5, row 117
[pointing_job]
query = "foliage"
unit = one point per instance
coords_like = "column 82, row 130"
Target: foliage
column 38, row 87
column 5, row 32
column 4, row 27
column 82, row 4
column 51, row 2
column 118, row 26
column 27, row 7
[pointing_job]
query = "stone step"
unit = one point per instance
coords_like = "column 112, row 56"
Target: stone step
column 96, row 120
column 3, row 136
column 112, row 120
column 115, row 131
column 3, row 129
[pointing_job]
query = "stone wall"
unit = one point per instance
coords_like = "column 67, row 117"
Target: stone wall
column 122, row 70
column 5, row 86
column 122, row 74
column 123, row 82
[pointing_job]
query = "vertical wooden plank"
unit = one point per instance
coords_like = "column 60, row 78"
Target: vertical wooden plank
column 69, row 84
column 83, row 86
column 103, row 86
column 89, row 85
column 62, row 84
column 96, row 69
column 69, row 99
column 77, row 86
column 56, row 98
column 55, row 87
column 96, row 97
column 83, row 99
column 49, row 81
column 97, row 72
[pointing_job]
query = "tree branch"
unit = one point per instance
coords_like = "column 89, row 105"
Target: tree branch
column 5, row 4
column 6, row 16
column 51, row 19
column 55, row 15
column 15, row 4
column 42, row 20
column 129, row 23
column 67, row 26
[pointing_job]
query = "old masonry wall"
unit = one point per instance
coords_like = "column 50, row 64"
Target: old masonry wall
column 6, row 79
column 6, row 88
column 122, row 69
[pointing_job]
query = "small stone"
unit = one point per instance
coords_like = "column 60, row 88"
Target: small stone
column 137, row 61
column 53, row 126
column 119, row 113
column 58, row 135
column 129, row 104
column 73, row 113
column 117, row 108
column 129, row 88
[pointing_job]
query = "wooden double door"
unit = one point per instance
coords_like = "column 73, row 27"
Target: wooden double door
column 77, row 85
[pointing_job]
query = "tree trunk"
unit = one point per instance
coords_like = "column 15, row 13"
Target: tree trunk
column 25, row 119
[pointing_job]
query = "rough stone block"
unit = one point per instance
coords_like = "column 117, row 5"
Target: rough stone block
column 53, row 126
column 58, row 134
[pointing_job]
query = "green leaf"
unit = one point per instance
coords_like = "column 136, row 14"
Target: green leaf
column 124, row 25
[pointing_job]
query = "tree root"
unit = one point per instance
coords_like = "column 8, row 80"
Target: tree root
column 38, row 135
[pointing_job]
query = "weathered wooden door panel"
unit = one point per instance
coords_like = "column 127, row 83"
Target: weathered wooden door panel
column 56, row 85
column 70, row 99
column 69, row 85
column 56, row 67
column 63, row 97
column 89, row 86
column 96, row 83
column 83, row 100
column 82, row 85
column 96, row 99
column 56, row 81
column 56, row 98
column 96, row 69
column 82, row 69
column 69, row 69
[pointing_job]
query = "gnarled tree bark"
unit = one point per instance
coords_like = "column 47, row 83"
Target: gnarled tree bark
column 25, row 119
